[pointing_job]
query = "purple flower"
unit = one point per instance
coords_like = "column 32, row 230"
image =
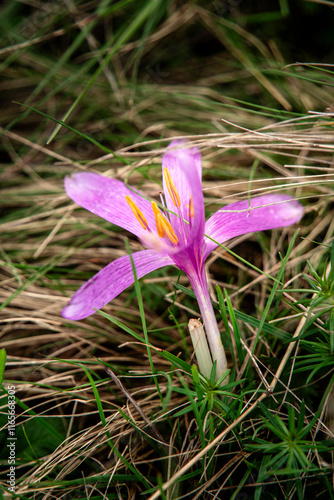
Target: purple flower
column 175, row 235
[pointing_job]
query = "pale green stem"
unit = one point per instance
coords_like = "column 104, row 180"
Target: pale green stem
column 200, row 287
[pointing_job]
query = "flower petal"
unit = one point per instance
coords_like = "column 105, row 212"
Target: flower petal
column 106, row 197
column 276, row 210
column 185, row 168
column 111, row 281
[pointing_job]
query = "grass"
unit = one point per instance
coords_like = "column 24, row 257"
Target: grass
column 113, row 406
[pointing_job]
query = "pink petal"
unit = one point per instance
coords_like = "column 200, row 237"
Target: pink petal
column 184, row 165
column 281, row 210
column 110, row 282
column 106, row 198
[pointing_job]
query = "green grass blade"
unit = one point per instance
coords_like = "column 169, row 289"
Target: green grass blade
column 3, row 356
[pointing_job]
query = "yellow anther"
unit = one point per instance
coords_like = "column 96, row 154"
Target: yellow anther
column 157, row 213
column 171, row 188
column 137, row 212
column 191, row 209
column 167, row 229
column 164, row 227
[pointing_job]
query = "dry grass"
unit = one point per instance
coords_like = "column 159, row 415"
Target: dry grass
column 85, row 433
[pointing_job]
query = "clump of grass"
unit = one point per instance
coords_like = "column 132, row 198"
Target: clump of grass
column 100, row 410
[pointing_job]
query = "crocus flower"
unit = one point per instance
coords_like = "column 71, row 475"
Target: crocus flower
column 175, row 235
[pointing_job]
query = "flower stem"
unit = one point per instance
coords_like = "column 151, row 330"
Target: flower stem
column 200, row 287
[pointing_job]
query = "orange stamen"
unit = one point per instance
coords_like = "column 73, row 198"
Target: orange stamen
column 157, row 219
column 137, row 212
column 191, row 209
column 168, row 230
column 164, row 227
column 171, row 188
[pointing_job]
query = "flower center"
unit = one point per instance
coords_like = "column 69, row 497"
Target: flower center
column 164, row 227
